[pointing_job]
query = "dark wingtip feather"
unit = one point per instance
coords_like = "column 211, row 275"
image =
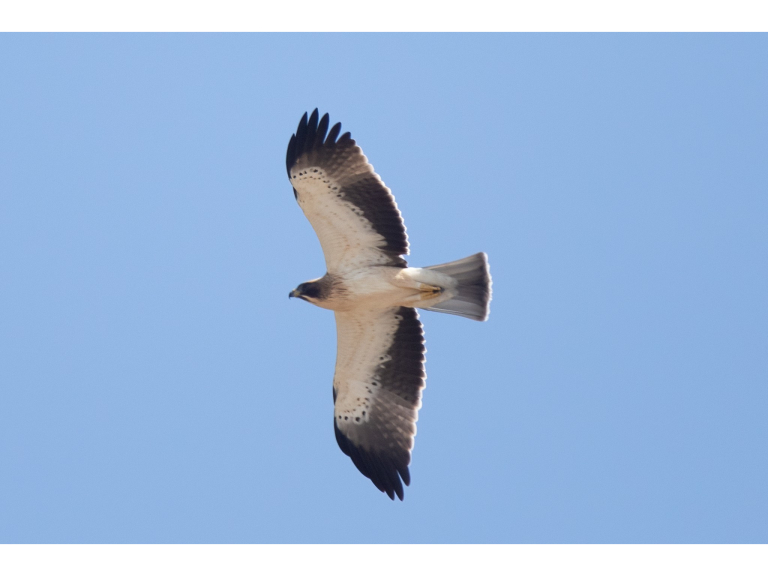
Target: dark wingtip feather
column 379, row 470
column 311, row 130
column 290, row 155
column 302, row 129
column 322, row 129
column 406, row 474
column 296, row 144
column 309, row 135
column 334, row 133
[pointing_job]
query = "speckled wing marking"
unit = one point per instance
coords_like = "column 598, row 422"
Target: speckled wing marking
column 353, row 213
column 377, row 392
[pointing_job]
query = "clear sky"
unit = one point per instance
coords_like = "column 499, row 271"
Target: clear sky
column 157, row 385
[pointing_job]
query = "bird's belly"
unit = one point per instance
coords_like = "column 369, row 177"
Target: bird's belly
column 375, row 287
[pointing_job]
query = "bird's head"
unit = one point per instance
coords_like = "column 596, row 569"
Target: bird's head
column 310, row 291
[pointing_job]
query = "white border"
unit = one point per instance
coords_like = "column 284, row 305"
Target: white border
column 375, row 560
column 383, row 15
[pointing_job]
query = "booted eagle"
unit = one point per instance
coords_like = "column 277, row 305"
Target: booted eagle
column 374, row 294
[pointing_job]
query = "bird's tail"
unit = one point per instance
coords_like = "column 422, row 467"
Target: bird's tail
column 473, row 292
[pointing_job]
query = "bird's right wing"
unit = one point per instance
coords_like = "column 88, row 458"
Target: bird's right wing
column 353, row 213
column 377, row 392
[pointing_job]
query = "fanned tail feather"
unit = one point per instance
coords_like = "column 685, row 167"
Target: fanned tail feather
column 473, row 296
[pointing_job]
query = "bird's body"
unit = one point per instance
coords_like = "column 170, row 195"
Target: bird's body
column 383, row 287
column 380, row 358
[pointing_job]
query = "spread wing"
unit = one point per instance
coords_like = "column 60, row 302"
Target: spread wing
column 353, row 213
column 377, row 392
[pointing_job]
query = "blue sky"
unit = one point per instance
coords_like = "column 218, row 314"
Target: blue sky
column 156, row 385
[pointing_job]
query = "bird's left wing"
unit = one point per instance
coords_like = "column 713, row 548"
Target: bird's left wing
column 353, row 213
column 377, row 392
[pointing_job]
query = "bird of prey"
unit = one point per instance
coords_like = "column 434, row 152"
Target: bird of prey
column 380, row 356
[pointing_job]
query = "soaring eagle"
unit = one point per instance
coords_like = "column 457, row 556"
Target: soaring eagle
column 380, row 356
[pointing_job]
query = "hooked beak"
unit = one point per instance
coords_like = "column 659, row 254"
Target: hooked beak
column 293, row 294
